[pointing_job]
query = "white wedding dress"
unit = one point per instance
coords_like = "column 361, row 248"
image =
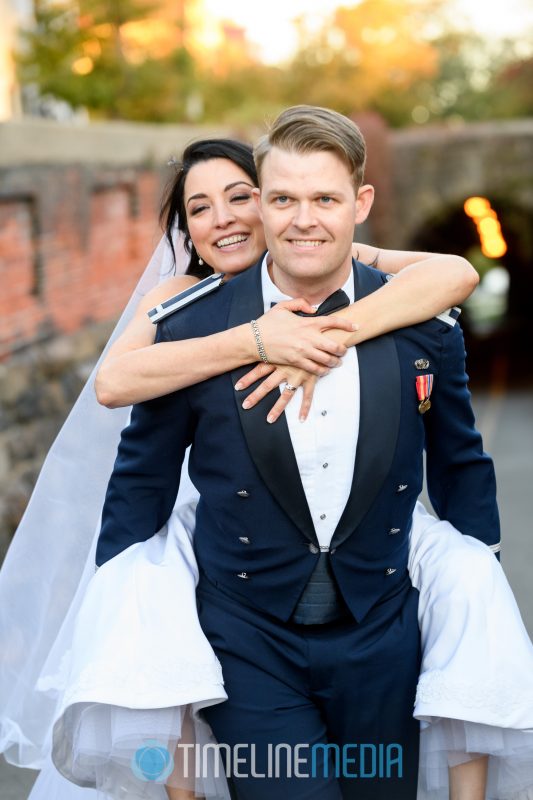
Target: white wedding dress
column 139, row 668
column 139, row 659
column 475, row 690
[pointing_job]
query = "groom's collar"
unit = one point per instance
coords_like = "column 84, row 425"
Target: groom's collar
column 273, row 295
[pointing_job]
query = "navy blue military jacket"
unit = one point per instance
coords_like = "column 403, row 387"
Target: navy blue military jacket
column 254, row 534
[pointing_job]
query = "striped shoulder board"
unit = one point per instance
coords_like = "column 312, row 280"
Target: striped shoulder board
column 185, row 298
column 450, row 316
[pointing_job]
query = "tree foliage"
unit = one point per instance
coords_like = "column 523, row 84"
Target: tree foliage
column 401, row 58
column 80, row 54
column 368, row 49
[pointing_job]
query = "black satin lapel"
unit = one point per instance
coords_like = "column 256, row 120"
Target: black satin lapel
column 380, row 392
column 270, row 446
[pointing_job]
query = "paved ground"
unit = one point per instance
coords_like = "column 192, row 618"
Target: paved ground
column 506, row 421
column 15, row 784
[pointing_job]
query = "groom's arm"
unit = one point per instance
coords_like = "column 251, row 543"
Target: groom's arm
column 460, row 475
column 144, row 484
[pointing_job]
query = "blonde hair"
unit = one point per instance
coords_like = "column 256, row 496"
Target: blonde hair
column 311, row 129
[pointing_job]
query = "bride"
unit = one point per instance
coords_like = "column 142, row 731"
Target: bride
column 112, row 681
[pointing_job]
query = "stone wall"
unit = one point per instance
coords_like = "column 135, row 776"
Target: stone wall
column 39, row 141
column 38, row 387
column 435, row 168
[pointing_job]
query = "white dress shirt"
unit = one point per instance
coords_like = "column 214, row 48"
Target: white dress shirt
column 325, row 444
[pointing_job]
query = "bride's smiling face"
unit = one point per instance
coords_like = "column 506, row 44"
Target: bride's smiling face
column 222, row 215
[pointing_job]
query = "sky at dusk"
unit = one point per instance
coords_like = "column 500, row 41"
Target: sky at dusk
column 268, row 25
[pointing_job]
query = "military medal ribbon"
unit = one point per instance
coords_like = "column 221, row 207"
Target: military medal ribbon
column 424, row 386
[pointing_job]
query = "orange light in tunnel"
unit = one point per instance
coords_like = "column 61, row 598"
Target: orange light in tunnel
column 494, row 248
column 476, row 207
column 488, row 227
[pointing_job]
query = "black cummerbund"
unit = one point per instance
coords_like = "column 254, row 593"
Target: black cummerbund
column 321, row 600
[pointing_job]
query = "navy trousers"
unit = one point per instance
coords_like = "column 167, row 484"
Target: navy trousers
column 321, row 712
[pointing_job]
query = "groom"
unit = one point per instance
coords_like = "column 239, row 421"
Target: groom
column 302, row 530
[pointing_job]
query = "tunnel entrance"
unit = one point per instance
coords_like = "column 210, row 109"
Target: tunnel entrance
column 497, row 320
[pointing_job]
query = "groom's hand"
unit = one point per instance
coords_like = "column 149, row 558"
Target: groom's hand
column 274, row 377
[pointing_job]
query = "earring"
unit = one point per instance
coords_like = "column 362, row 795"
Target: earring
column 200, row 259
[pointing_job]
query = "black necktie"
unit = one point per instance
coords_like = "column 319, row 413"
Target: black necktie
column 334, row 302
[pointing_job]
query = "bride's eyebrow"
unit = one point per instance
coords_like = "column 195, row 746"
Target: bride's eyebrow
column 198, row 196
column 202, row 195
column 238, row 183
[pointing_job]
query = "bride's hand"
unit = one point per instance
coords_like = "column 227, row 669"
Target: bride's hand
column 275, row 376
column 301, row 341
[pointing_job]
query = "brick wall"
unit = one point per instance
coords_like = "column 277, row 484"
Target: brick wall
column 73, row 242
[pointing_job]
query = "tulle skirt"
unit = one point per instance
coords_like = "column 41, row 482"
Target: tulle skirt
column 475, row 690
column 140, row 671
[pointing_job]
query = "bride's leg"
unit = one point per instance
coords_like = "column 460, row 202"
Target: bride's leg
column 180, row 794
column 469, row 781
column 182, row 773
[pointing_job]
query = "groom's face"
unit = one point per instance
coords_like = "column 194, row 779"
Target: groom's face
column 309, row 206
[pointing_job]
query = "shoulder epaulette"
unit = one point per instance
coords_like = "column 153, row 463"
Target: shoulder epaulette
column 450, row 316
column 185, row 298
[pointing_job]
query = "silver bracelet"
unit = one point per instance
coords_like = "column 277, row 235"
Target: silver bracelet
column 259, row 341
